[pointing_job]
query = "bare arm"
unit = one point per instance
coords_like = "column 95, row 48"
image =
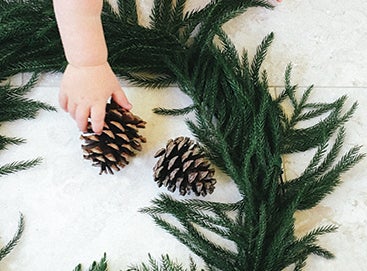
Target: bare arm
column 88, row 80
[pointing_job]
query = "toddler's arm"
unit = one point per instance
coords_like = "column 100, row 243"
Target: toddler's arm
column 88, row 80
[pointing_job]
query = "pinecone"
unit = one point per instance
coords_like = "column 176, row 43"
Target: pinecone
column 182, row 165
column 119, row 139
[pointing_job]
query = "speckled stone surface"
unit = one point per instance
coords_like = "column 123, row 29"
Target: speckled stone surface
column 73, row 215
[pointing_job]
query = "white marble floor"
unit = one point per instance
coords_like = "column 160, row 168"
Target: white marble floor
column 73, row 215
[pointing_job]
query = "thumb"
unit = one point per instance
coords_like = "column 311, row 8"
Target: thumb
column 120, row 98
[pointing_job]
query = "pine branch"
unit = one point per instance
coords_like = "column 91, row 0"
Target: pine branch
column 245, row 136
column 4, row 141
column 174, row 112
column 14, row 241
column 96, row 266
column 260, row 56
column 30, row 39
column 320, row 180
column 14, row 106
column 242, row 129
column 165, row 264
column 18, row 166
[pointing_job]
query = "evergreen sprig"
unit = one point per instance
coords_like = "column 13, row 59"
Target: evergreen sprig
column 4, row 251
column 14, row 105
column 298, row 139
column 165, row 264
column 13, row 167
column 96, row 266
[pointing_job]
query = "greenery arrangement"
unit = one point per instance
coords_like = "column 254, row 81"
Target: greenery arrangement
column 243, row 129
column 13, row 106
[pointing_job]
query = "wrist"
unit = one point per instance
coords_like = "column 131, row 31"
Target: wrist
column 85, row 65
column 88, row 60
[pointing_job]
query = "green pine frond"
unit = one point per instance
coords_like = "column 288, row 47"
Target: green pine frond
column 14, row 241
column 18, row 166
column 127, row 12
column 14, row 106
column 4, row 141
column 302, row 139
column 30, row 39
column 174, row 112
column 162, row 14
column 245, row 132
column 241, row 127
column 323, row 173
column 96, row 266
column 165, row 264
column 260, row 57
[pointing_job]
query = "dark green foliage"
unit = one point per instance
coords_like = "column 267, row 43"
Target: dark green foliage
column 322, row 174
column 245, row 133
column 300, row 139
column 30, row 39
column 96, row 266
column 13, row 106
column 4, row 251
column 165, row 264
column 243, row 129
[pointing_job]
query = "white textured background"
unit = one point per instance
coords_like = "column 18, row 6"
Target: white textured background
column 73, row 215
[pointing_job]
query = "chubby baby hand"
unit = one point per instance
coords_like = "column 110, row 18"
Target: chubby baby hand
column 84, row 93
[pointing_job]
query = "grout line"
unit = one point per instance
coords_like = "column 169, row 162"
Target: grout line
column 315, row 86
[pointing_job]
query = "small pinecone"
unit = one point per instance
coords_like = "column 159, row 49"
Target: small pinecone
column 182, row 165
column 119, row 139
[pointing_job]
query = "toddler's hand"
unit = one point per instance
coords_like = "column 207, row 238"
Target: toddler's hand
column 84, row 93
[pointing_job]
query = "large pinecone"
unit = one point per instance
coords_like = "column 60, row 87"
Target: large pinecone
column 182, row 165
column 119, row 140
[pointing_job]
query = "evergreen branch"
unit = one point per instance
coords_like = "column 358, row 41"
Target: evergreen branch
column 217, row 221
column 161, row 13
column 191, row 236
column 243, row 131
column 96, row 266
column 4, row 141
column 260, row 56
column 14, row 106
column 18, row 166
column 14, row 241
column 127, row 11
column 195, row 241
column 149, row 80
column 165, row 264
column 174, row 112
column 312, row 236
column 22, row 90
column 306, row 245
column 219, row 12
column 317, row 187
column 310, row 137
